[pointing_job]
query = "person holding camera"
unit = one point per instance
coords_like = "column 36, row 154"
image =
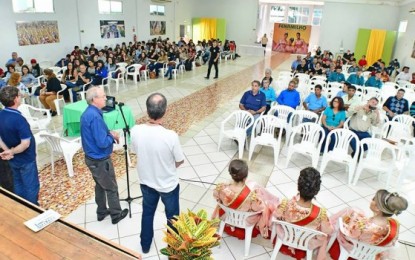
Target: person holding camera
column 362, row 118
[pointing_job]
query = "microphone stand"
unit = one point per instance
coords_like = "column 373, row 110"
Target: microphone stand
column 126, row 131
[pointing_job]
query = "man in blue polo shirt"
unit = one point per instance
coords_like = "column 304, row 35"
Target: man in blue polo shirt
column 19, row 146
column 290, row 96
column 336, row 76
column 253, row 101
column 375, row 80
column 97, row 142
column 315, row 102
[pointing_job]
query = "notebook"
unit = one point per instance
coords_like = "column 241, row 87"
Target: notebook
column 110, row 104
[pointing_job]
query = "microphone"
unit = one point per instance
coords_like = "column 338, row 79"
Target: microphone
column 119, row 103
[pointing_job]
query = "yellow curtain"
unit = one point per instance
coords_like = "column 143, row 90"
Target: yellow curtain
column 375, row 46
column 208, row 28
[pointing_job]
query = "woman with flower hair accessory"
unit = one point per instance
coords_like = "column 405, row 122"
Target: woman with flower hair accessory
column 380, row 229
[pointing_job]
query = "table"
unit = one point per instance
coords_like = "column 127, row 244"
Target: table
column 254, row 50
column 72, row 117
column 59, row 240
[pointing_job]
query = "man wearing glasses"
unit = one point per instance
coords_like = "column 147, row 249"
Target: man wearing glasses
column 97, row 142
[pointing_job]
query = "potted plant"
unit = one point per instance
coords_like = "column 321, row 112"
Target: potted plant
column 193, row 238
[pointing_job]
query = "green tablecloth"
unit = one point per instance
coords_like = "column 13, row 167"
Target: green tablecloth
column 72, row 117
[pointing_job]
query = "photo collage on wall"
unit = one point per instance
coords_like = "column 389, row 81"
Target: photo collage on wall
column 37, row 32
column 112, row 29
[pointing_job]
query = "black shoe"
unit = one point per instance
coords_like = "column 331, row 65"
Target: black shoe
column 53, row 113
column 122, row 215
column 101, row 217
column 215, row 77
column 170, row 78
column 206, row 77
column 145, row 251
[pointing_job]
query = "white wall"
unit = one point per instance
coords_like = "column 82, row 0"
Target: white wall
column 240, row 16
column 341, row 22
column 405, row 43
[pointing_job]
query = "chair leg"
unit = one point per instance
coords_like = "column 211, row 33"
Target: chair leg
column 352, row 168
column 276, row 249
column 241, row 144
column 357, row 175
column 248, row 237
column 58, row 109
column 276, row 154
column 220, row 140
column 289, row 155
column 251, row 149
column 52, row 162
column 69, row 166
column 220, row 230
column 309, row 255
column 323, row 165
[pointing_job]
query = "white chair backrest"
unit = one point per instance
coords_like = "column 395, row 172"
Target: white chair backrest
column 360, row 250
column 267, row 124
column 375, row 149
column 298, row 116
column 54, row 142
column 314, row 82
column 283, row 111
column 366, row 74
column 390, row 84
column 236, row 218
column 395, row 131
column 303, row 78
column 333, row 88
column 122, row 64
column 343, row 137
column 312, row 133
column 405, row 119
column 297, row 236
column 242, row 119
column 56, row 70
column 24, row 109
column 285, row 74
column 403, row 83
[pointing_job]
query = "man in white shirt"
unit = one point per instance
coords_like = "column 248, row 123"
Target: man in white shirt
column 404, row 74
column 159, row 154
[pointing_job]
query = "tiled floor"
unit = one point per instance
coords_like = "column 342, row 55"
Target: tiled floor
column 205, row 163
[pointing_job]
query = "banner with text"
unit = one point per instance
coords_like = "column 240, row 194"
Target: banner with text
column 291, row 38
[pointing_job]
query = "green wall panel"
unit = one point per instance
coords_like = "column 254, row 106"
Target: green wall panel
column 388, row 47
column 362, row 41
column 221, row 29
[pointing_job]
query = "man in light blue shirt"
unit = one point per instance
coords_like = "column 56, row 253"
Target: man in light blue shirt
column 269, row 94
column 315, row 102
column 337, row 76
column 296, row 63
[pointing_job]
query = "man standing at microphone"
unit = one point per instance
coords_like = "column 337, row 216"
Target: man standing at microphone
column 97, row 142
column 159, row 154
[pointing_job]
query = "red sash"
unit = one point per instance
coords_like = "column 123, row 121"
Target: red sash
column 393, row 232
column 237, row 202
column 300, row 254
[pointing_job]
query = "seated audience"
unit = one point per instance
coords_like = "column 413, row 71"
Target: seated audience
column 15, row 81
column 347, row 57
column 36, row 70
column 384, row 76
column 333, row 118
column 268, row 77
column 363, row 62
column 374, row 80
column 315, row 102
column 49, row 93
column 18, row 64
column 317, row 70
column 393, row 66
column 354, row 68
column 396, row 105
column 404, row 74
column 336, row 76
column 351, row 99
column 380, row 229
column 101, row 72
column 158, row 64
column 9, row 71
column 27, row 78
column 70, row 74
column 356, row 78
column 253, row 101
column 83, row 78
column 301, row 211
column 269, row 94
column 245, row 195
column 345, row 89
column 413, row 78
column 12, row 61
column 111, row 66
column 290, row 96
column 296, row 63
column 302, row 67
column 362, row 119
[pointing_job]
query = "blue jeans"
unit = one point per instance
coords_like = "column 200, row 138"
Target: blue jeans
column 73, row 85
column 26, row 180
column 150, row 201
column 249, row 130
column 332, row 141
column 360, row 135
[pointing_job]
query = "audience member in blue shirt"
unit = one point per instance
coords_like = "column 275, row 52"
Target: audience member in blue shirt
column 337, row 76
column 269, row 94
column 315, row 102
column 333, row 118
column 375, row 81
column 101, row 72
column 289, row 97
column 253, row 101
column 345, row 90
column 12, row 61
column 296, row 63
column 356, row 78
column 353, row 68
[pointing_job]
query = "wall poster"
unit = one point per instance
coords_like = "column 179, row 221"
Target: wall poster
column 111, row 29
column 37, row 32
column 291, row 38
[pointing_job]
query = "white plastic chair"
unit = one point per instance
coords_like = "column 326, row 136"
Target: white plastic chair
column 122, row 64
column 135, row 73
column 284, row 74
column 403, row 83
column 360, row 250
column 372, row 158
column 297, row 117
column 84, row 89
column 332, row 89
column 407, row 162
column 396, row 131
column 405, row 119
column 340, row 152
column 62, row 146
column 310, row 143
column 59, row 97
column 295, row 236
column 283, row 112
column 242, row 121
column 238, row 219
column 120, row 77
column 36, row 123
column 265, row 137
column 56, row 70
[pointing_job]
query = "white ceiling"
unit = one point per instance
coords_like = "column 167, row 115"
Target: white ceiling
column 320, row 2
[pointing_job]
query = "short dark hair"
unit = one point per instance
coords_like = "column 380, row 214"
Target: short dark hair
column 238, row 169
column 318, row 86
column 351, row 87
column 309, row 182
column 7, row 95
column 256, row 81
column 156, row 105
column 401, row 89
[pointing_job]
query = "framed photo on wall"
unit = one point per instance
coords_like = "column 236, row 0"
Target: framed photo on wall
column 111, row 29
column 37, row 32
column 157, row 28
